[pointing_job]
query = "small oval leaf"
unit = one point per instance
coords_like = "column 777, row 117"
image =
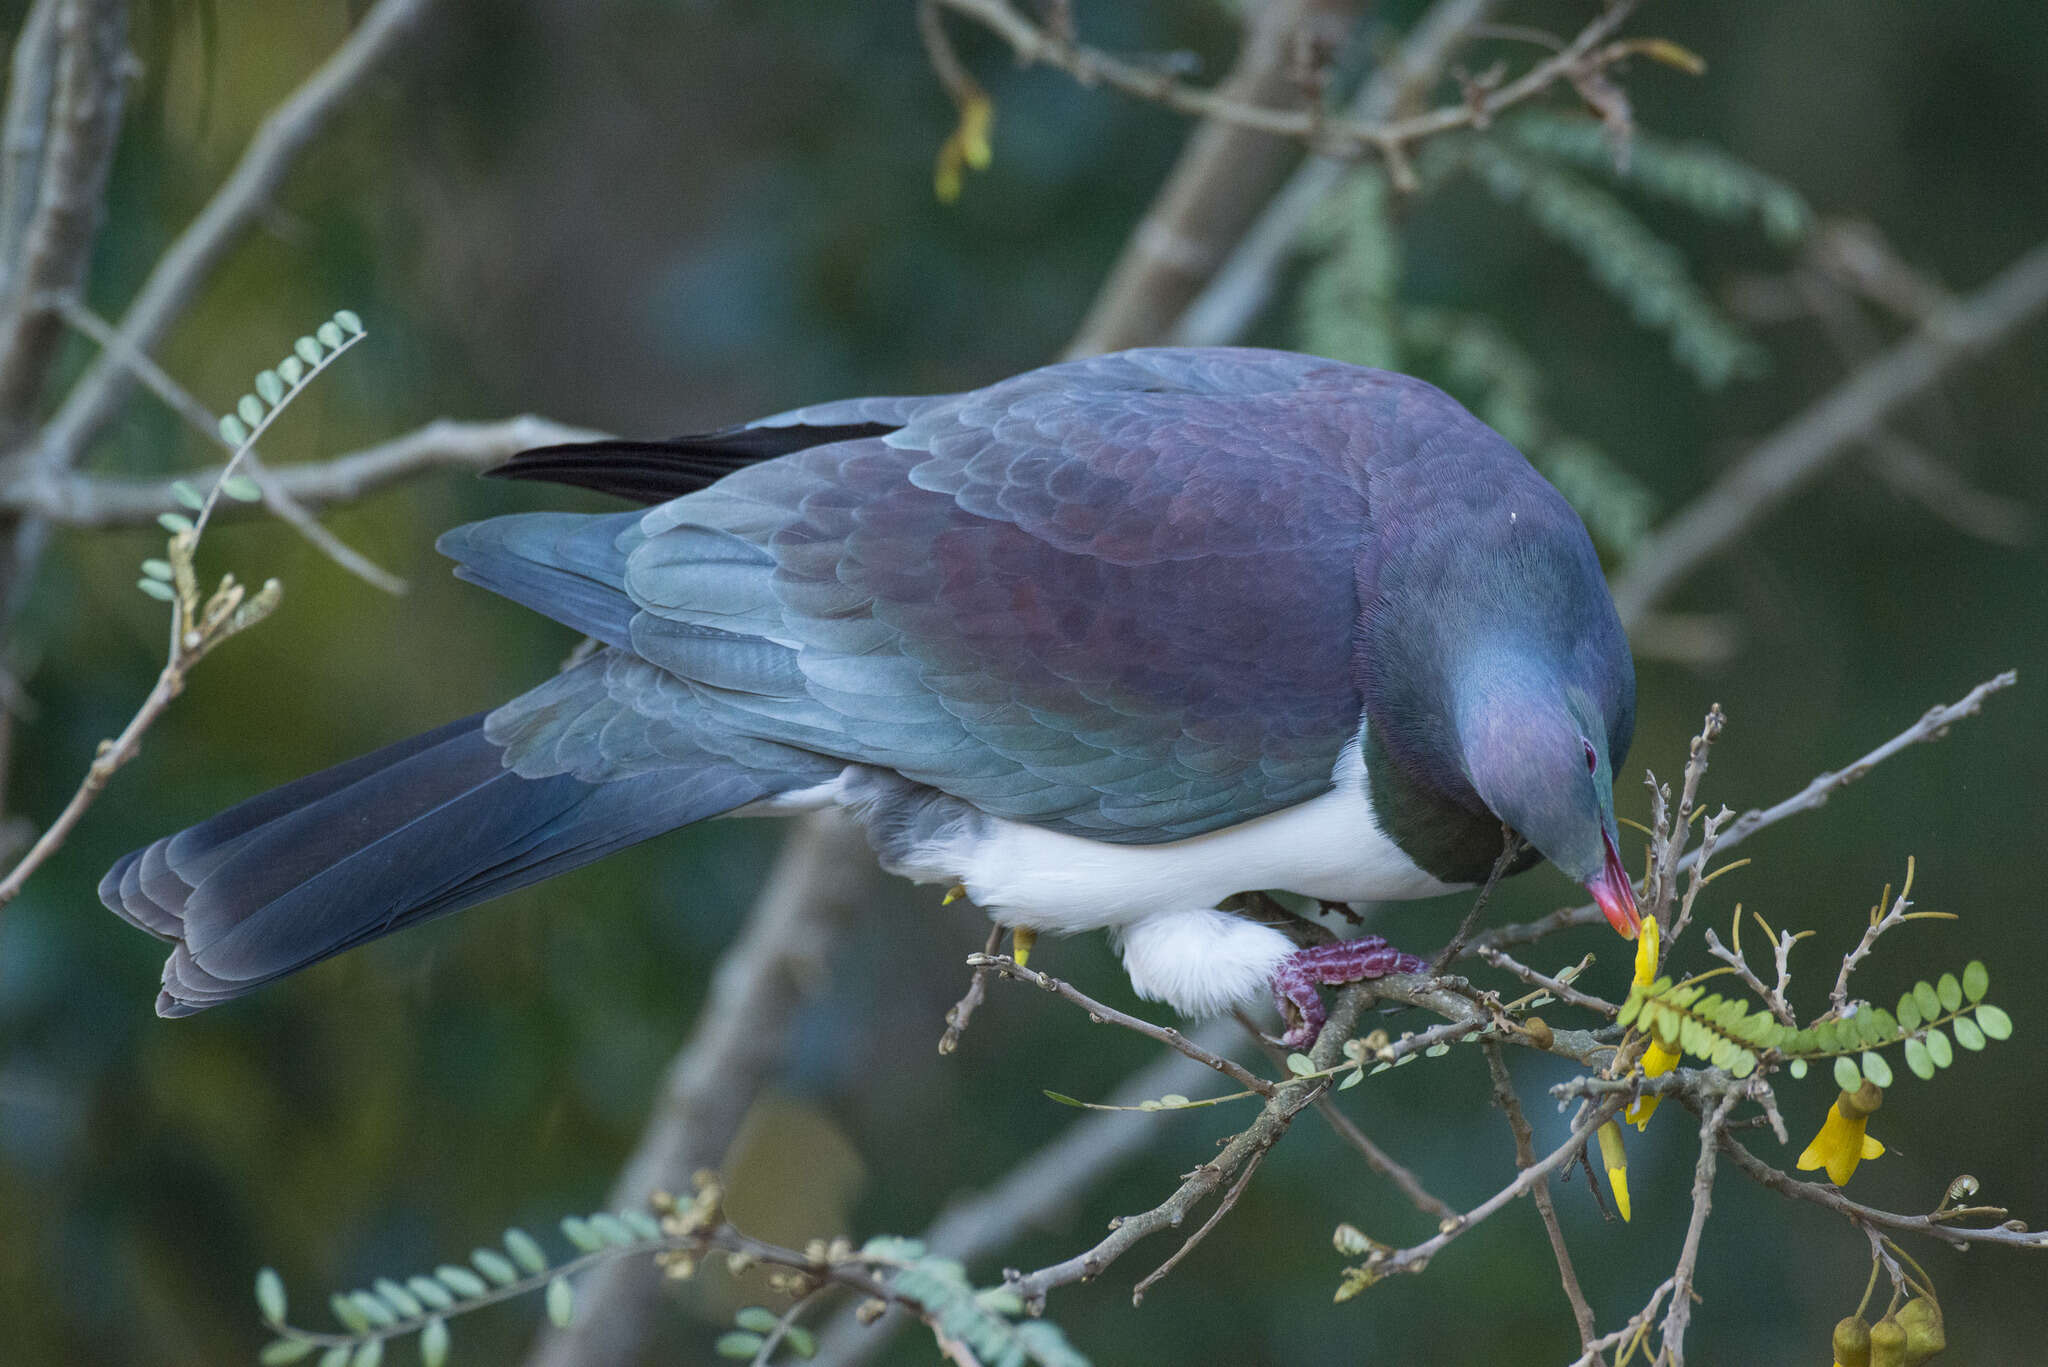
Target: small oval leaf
column 577, row 1231
column 174, row 523
column 308, row 349
column 1798, row 1068
column 431, row 1293
column 183, row 491
column 738, row 1343
column 270, row 387
column 337, row 1356
column 495, row 1266
column 1993, row 1022
column 758, row 1318
column 1917, row 1059
column 1976, row 980
column 232, row 430
column 610, row 1228
column 250, row 409
column 161, row 569
column 402, row 1302
column 1928, row 1000
column 1351, row 1079
column 1967, row 1033
column 1848, row 1076
column 242, row 489
column 374, row 1310
column 157, row 589
column 1301, row 1065
column 561, row 1303
column 1909, row 1013
column 348, row 1314
column 1938, row 1049
column 292, row 369
column 525, row 1250
column 329, row 334
column 278, row 1352
column 801, row 1341
column 1950, row 992
column 369, row 1353
column 350, row 322
column 434, row 1344
column 461, row 1281
column 1877, row 1070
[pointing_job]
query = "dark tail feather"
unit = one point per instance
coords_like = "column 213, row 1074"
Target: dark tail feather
column 413, row 831
column 657, row 471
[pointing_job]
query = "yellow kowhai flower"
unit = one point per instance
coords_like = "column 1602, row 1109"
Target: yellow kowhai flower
column 1657, row 1060
column 1841, row 1143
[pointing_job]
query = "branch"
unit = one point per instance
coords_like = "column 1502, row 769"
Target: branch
column 1109, row 1015
column 183, row 269
column 26, row 132
column 1031, row 1194
column 83, row 121
column 1680, row 1314
column 75, row 500
column 2008, row 1235
column 1578, row 61
column 1832, row 427
column 1224, row 176
column 1525, row 1156
column 1234, row 298
column 1932, row 726
column 821, row 875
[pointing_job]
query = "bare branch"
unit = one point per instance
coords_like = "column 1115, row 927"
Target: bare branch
column 819, row 879
column 87, row 501
column 1932, row 726
column 1945, row 494
column 1238, row 293
column 1680, row 1314
column 1224, row 176
column 1830, row 428
column 84, row 120
column 183, row 269
column 27, row 129
column 1525, row 1156
column 1941, row 1227
column 1109, row 1015
column 1575, row 63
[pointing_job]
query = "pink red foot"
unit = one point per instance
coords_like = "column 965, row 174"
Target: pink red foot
column 1344, row 961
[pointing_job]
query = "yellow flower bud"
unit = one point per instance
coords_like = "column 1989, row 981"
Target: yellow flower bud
column 1615, row 1159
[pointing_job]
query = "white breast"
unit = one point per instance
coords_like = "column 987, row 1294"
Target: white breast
column 1329, row 847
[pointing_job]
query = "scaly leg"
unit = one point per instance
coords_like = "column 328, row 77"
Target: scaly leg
column 1344, row 961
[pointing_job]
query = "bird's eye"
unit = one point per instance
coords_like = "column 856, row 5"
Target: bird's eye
column 1592, row 757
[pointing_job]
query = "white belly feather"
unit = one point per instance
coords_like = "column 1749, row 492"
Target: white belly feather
column 1160, row 899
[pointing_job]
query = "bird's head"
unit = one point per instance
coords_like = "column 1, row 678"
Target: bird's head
column 1539, row 752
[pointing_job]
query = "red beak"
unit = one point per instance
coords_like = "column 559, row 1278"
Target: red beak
column 1615, row 891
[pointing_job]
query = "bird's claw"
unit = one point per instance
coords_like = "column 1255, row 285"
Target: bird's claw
column 1342, row 961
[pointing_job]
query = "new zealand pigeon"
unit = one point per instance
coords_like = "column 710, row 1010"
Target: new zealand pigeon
column 1104, row 644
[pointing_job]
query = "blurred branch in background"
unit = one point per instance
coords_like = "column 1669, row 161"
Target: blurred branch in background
column 1827, row 430
column 782, row 956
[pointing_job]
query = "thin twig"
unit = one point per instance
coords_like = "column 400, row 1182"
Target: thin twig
column 1931, row 726
column 1680, row 1314
column 1525, row 1156
column 1586, row 54
column 1830, row 1197
column 1510, row 848
column 962, row 1011
column 89, row 501
column 1556, row 987
column 1097, row 1011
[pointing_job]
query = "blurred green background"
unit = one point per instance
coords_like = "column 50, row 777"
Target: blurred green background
column 656, row 217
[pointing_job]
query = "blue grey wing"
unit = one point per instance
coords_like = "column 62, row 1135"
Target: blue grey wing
column 1115, row 599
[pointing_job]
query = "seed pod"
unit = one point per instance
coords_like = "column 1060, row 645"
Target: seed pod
column 1887, row 1343
column 1925, row 1336
column 1852, row 1342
